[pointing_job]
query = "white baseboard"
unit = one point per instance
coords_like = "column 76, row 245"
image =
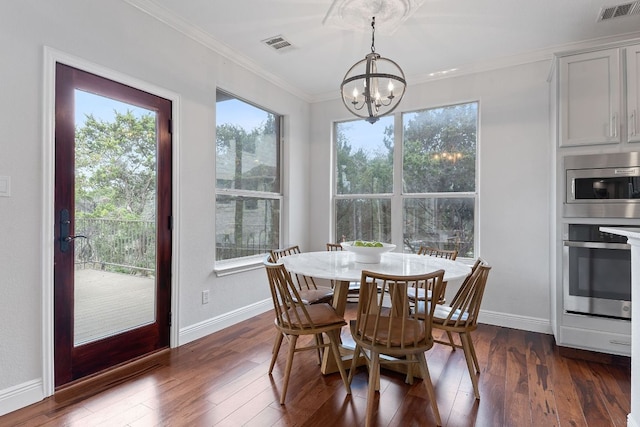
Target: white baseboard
column 631, row 422
column 532, row 324
column 21, row 395
column 215, row 324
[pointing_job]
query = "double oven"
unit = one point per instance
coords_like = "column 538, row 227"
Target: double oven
column 600, row 190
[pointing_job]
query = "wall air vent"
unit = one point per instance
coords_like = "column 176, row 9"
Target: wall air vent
column 626, row 9
column 278, row 43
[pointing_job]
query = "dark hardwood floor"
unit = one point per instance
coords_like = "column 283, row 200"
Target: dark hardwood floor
column 222, row 380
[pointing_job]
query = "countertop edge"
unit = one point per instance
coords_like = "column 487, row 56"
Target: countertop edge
column 633, row 233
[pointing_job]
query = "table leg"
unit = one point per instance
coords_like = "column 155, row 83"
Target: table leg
column 329, row 366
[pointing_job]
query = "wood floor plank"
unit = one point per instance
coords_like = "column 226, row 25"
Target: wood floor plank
column 222, row 380
column 616, row 400
column 567, row 401
column 540, row 384
column 590, row 400
column 517, row 407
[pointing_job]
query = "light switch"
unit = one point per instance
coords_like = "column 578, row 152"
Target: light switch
column 5, row 186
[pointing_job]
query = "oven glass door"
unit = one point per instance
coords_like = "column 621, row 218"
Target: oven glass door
column 598, row 272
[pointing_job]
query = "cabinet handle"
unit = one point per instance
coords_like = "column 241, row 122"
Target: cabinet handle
column 632, row 122
column 614, row 126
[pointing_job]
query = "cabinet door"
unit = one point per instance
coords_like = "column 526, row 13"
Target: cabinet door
column 633, row 92
column 590, row 98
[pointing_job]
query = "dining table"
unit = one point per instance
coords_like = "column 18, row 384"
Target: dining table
column 341, row 268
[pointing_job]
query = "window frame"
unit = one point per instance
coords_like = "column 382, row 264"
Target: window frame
column 399, row 196
column 239, row 264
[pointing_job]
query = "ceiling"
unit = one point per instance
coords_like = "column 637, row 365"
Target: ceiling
column 441, row 37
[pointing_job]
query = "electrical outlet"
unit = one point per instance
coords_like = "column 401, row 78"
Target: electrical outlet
column 205, row 297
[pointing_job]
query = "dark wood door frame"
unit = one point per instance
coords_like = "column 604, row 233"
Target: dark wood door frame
column 100, row 355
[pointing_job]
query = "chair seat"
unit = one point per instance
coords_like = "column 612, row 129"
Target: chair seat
column 442, row 312
column 315, row 296
column 319, row 314
column 413, row 334
column 412, row 292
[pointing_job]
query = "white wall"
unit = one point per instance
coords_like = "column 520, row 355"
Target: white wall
column 119, row 37
column 514, row 182
column 514, row 155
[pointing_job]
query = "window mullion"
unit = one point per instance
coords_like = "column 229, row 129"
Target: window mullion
column 397, row 219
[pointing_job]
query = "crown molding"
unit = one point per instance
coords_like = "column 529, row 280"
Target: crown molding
column 166, row 17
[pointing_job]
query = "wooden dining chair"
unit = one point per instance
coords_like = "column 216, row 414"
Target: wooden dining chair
column 354, row 287
column 451, row 254
column 422, row 294
column 295, row 319
column 334, row 247
column 461, row 317
column 308, row 290
column 309, row 293
column 386, row 325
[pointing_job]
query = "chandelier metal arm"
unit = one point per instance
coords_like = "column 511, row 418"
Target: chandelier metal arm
column 373, row 75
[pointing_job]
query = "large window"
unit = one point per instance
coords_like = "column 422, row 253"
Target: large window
column 248, row 190
column 431, row 191
column 364, row 180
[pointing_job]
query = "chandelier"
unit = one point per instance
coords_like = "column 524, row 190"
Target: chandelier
column 377, row 91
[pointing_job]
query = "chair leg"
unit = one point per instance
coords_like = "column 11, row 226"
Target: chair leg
column 467, row 346
column 275, row 351
column 287, row 372
column 319, row 343
column 352, row 370
column 426, row 379
column 473, row 353
column 450, row 336
column 333, row 342
column 409, row 377
column 371, row 391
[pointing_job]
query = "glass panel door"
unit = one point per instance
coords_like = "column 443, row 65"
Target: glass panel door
column 115, row 217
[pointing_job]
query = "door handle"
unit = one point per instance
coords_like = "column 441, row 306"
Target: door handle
column 65, row 225
column 72, row 238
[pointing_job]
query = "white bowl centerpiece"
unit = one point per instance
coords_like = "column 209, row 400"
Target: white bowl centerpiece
column 367, row 252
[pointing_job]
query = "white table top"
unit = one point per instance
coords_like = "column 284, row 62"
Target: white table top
column 341, row 265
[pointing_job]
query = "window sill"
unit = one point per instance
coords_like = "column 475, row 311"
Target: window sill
column 241, row 265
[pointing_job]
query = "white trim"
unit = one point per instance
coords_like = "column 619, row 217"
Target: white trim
column 239, row 265
column 48, row 208
column 525, row 323
column 215, row 324
column 51, row 56
column 632, row 422
column 21, row 395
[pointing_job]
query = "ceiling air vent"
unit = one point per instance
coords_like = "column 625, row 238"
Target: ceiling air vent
column 625, row 9
column 278, row 43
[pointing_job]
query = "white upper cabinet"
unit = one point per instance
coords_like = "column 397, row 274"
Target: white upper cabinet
column 599, row 97
column 633, row 92
column 590, row 88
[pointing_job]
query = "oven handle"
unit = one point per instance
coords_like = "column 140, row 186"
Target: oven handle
column 597, row 245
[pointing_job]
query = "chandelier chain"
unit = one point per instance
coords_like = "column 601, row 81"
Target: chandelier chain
column 373, row 35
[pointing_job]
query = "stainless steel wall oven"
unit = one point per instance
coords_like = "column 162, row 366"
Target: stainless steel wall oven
column 597, row 272
column 599, row 189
